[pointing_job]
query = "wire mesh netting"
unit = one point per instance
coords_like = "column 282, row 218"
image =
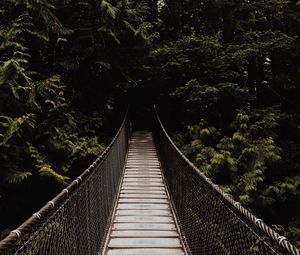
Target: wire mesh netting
column 208, row 222
column 79, row 223
column 78, row 219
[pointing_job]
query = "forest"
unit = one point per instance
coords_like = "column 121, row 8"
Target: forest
column 224, row 75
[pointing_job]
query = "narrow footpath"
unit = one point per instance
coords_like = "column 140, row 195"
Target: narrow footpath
column 143, row 220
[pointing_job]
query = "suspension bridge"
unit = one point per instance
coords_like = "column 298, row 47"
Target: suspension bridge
column 143, row 196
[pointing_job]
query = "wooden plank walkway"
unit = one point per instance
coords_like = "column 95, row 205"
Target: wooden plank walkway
column 143, row 220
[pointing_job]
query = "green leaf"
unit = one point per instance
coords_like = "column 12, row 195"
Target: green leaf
column 15, row 177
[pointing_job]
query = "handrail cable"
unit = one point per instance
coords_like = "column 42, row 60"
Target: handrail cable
column 168, row 153
column 55, row 219
column 77, row 220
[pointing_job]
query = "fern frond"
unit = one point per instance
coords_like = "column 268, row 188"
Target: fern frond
column 15, row 177
column 129, row 26
column 15, row 126
column 50, row 87
column 108, row 8
column 44, row 167
column 49, row 172
column 51, row 21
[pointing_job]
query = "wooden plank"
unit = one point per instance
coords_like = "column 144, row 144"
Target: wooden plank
column 146, row 188
column 142, row 160
column 146, row 155
column 142, row 184
column 126, row 195
column 143, row 201
column 149, row 251
column 132, row 179
column 142, row 168
column 142, row 164
column 146, row 145
column 152, row 156
column 142, row 149
column 140, row 172
column 135, row 144
column 143, row 226
column 146, row 181
column 144, row 212
column 144, row 242
column 155, row 180
column 140, row 152
column 143, row 222
column 145, row 192
column 135, row 179
column 143, row 206
column 155, row 168
column 140, row 191
column 144, row 219
column 138, row 146
column 142, row 194
column 143, row 233
column 142, row 175
column 142, row 157
column 138, row 142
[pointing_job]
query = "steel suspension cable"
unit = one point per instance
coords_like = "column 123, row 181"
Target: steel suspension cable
column 211, row 221
column 76, row 221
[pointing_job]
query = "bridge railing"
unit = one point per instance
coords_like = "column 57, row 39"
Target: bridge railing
column 211, row 222
column 76, row 221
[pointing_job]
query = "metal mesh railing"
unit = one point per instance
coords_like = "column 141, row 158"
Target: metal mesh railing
column 211, row 222
column 77, row 220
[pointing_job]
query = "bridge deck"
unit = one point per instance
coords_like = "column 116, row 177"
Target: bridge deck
column 143, row 220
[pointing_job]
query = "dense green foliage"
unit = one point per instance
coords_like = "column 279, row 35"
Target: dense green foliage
column 62, row 66
column 231, row 70
column 226, row 72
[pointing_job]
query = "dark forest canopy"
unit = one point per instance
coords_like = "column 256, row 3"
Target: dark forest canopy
column 225, row 73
